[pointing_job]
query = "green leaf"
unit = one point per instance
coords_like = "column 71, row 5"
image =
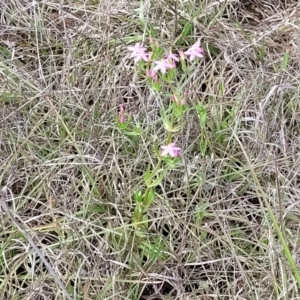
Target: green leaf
column 203, row 147
column 99, row 209
column 141, row 10
column 147, row 175
column 171, row 162
column 136, row 213
column 154, row 251
column 202, row 113
column 136, row 131
column 149, row 198
column 165, row 120
column 185, row 32
column 156, row 181
column 285, row 60
column 156, row 151
column 140, row 220
column 138, row 196
column 221, row 89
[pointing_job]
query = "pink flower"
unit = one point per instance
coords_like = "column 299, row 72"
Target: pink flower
column 121, row 114
column 172, row 57
column 170, row 149
column 195, row 51
column 180, row 100
column 162, row 65
column 183, row 100
column 152, row 74
column 138, row 52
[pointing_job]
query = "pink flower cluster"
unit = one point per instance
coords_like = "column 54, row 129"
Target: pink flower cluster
column 139, row 53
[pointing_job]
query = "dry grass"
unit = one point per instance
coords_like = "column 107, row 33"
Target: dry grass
column 68, row 173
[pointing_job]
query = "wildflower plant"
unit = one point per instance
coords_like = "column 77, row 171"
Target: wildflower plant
column 161, row 68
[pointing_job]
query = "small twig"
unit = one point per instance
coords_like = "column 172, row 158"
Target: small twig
column 279, row 196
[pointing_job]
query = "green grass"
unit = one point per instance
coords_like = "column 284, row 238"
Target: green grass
column 223, row 223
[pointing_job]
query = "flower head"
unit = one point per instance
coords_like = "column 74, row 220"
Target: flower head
column 172, row 57
column 138, row 52
column 170, row 149
column 195, row 51
column 181, row 55
column 121, row 114
column 163, row 65
column 183, row 100
column 152, row 74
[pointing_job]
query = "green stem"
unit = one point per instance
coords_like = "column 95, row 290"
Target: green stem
column 143, row 204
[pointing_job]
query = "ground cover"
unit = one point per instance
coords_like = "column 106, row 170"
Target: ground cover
column 91, row 208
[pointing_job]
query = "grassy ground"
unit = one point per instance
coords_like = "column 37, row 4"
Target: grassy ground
column 224, row 222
